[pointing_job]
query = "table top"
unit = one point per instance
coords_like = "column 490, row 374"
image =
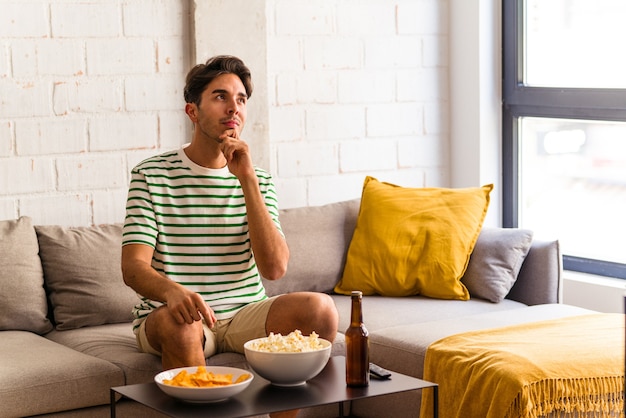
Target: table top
column 261, row 397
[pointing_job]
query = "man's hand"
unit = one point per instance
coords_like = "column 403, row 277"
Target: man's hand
column 187, row 306
column 184, row 305
column 237, row 154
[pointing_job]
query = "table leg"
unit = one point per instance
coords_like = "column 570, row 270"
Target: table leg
column 113, row 403
column 435, row 401
column 341, row 410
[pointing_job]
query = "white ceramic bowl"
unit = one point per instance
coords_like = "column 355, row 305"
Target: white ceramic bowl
column 203, row 395
column 287, row 369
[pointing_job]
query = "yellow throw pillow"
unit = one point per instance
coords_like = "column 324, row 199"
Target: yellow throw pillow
column 413, row 241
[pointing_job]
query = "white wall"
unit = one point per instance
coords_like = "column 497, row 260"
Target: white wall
column 603, row 294
column 344, row 89
column 87, row 90
column 475, row 86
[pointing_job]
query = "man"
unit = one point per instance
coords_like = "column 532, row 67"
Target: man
column 202, row 227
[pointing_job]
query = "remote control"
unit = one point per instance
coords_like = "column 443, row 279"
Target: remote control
column 378, row 372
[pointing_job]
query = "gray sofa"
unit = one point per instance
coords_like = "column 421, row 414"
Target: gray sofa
column 66, row 338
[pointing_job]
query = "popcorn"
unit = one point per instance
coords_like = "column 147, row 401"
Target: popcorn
column 294, row 342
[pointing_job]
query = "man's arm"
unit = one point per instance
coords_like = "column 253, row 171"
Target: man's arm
column 269, row 246
column 184, row 305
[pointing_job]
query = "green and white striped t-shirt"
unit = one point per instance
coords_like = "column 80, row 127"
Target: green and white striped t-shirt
column 195, row 219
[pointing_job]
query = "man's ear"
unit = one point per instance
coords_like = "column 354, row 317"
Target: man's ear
column 192, row 111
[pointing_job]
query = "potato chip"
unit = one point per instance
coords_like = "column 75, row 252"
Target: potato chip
column 203, row 379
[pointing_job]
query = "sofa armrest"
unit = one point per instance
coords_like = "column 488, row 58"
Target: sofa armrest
column 540, row 280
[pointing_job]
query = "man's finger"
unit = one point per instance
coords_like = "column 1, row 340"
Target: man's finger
column 208, row 315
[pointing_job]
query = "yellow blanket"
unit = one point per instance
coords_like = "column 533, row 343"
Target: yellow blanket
column 529, row 370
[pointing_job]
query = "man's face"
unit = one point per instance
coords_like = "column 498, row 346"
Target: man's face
column 222, row 108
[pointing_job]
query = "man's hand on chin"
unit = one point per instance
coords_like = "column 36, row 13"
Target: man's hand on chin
column 237, row 154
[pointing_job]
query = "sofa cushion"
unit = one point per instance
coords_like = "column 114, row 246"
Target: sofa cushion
column 496, row 261
column 23, row 304
column 318, row 239
column 115, row 343
column 83, row 275
column 380, row 312
column 411, row 241
column 40, row 376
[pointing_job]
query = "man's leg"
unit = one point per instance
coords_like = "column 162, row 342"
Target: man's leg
column 179, row 345
column 306, row 311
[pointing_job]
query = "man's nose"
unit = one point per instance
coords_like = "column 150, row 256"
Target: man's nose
column 233, row 107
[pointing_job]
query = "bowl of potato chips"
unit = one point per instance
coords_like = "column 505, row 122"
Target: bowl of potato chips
column 288, row 360
column 203, row 384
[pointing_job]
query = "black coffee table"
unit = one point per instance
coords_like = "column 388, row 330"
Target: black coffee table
column 261, row 397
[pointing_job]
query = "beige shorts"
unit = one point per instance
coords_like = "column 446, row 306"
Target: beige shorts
column 227, row 335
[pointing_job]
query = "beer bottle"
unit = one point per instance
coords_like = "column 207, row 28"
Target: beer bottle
column 357, row 346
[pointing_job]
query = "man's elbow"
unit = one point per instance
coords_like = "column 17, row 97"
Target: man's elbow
column 126, row 274
column 274, row 272
column 275, row 269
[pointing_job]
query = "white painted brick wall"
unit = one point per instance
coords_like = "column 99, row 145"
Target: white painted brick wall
column 87, row 95
column 173, row 125
column 22, row 98
column 8, row 209
column 90, row 88
column 49, row 50
column 6, row 139
column 143, row 91
column 395, row 119
column 288, row 122
column 366, row 17
column 155, row 18
column 69, row 209
column 335, row 122
column 309, row 158
column 87, row 90
column 85, row 20
column 26, row 175
column 121, row 56
column 368, row 154
column 370, row 76
column 47, row 136
column 304, row 17
column 332, row 52
column 366, row 86
column 127, row 131
column 20, row 19
column 93, row 172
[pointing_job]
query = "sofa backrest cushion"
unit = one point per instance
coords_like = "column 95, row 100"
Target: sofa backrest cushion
column 23, row 304
column 414, row 240
column 496, row 261
column 540, row 278
column 82, row 268
column 318, row 239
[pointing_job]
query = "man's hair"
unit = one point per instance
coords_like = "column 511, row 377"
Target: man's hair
column 202, row 74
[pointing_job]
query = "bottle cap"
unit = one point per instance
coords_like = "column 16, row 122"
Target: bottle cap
column 357, row 293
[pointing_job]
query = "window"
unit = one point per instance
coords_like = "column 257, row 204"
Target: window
column 564, row 127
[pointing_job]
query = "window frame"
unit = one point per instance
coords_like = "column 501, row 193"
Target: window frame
column 519, row 100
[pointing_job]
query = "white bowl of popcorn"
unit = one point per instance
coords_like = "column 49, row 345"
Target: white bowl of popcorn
column 288, row 360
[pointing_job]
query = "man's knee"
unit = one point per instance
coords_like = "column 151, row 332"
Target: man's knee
column 326, row 306
column 164, row 332
column 307, row 311
column 323, row 314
